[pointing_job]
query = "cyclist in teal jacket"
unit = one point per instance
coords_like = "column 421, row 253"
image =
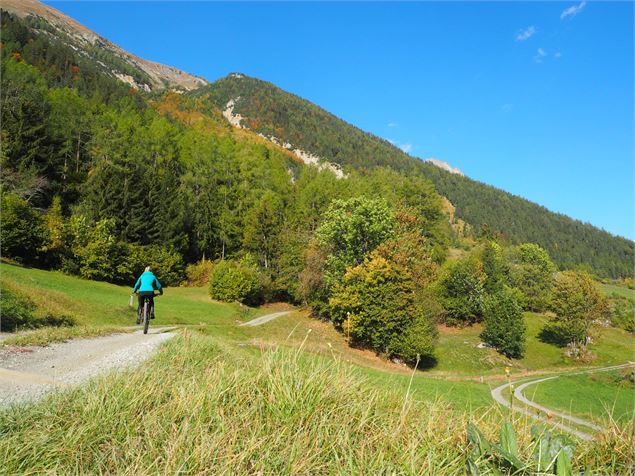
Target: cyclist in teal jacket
column 145, row 287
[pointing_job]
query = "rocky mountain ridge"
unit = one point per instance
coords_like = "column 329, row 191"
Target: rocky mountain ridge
column 140, row 73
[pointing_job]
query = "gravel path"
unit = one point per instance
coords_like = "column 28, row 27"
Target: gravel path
column 497, row 394
column 28, row 373
column 262, row 319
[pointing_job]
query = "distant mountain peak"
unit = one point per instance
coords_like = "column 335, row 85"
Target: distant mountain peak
column 149, row 75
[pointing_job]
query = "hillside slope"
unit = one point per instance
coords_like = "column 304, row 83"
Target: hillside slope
column 289, row 119
column 138, row 72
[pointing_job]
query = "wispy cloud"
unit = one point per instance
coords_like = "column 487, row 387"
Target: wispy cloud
column 406, row 148
column 572, row 10
column 540, row 55
column 507, row 107
column 525, row 34
column 393, row 124
column 557, row 55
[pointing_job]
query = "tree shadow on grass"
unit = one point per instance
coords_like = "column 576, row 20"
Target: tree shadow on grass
column 554, row 335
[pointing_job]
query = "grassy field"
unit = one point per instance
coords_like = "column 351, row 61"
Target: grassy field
column 600, row 396
column 459, row 353
column 202, row 406
column 609, row 289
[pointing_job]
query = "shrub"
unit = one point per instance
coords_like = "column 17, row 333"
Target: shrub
column 377, row 307
column 197, row 274
column 504, row 324
column 17, row 312
column 576, row 303
column 233, row 280
column 462, row 287
column 621, row 311
column 22, row 231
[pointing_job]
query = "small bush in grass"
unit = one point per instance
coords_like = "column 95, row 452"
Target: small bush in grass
column 233, row 280
column 17, row 312
column 621, row 312
column 504, row 324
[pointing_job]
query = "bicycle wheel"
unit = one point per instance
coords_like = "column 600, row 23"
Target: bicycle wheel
column 146, row 315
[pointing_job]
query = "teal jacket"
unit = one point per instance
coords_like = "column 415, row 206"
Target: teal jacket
column 147, row 282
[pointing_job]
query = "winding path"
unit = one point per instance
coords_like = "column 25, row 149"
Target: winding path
column 262, row 319
column 497, row 394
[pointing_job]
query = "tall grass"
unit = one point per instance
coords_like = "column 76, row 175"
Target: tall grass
column 201, row 407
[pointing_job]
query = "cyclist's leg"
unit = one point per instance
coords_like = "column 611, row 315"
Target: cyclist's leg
column 151, row 298
column 139, row 307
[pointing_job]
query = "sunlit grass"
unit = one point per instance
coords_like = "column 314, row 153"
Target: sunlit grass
column 202, row 407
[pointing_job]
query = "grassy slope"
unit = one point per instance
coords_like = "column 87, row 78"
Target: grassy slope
column 592, row 395
column 460, row 355
column 102, row 304
column 96, row 304
column 609, row 289
column 456, row 377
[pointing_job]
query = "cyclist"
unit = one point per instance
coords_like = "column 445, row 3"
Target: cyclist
column 145, row 287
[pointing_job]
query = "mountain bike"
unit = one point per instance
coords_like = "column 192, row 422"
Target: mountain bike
column 145, row 312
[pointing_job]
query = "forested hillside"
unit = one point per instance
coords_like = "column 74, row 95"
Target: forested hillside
column 271, row 111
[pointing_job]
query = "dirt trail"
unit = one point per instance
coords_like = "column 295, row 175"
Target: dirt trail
column 543, row 411
column 262, row 319
column 28, row 373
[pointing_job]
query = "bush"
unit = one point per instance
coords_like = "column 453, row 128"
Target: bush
column 504, row 324
column 97, row 254
column 621, row 312
column 233, row 280
column 166, row 264
column 576, row 303
column 17, row 312
column 198, row 274
column 377, row 306
column 416, row 344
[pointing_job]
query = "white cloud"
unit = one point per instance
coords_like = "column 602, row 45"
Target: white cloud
column 540, row 55
column 507, row 107
column 525, row 34
column 393, row 124
column 406, row 148
column 572, row 10
column 557, row 55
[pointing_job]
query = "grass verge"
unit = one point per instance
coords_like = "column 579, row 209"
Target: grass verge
column 48, row 335
column 602, row 396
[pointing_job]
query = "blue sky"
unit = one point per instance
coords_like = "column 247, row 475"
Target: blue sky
column 533, row 97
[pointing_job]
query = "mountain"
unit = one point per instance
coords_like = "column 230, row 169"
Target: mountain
column 68, row 54
column 299, row 125
column 137, row 72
